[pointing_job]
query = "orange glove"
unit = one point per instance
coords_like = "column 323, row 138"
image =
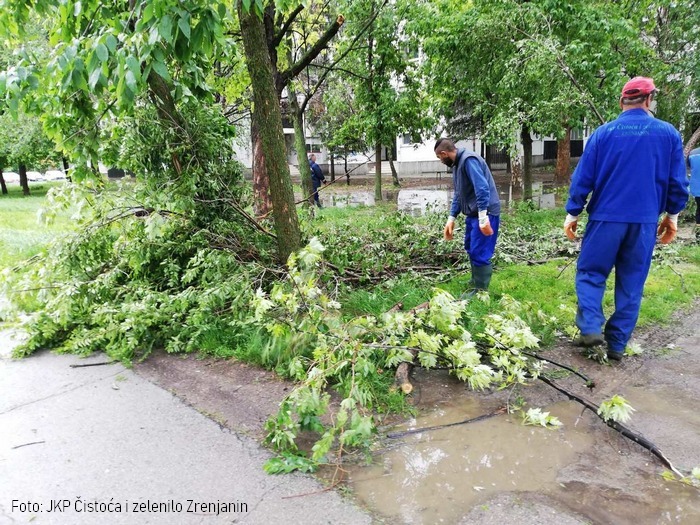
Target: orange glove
column 448, row 232
column 485, row 223
column 570, row 224
column 668, row 228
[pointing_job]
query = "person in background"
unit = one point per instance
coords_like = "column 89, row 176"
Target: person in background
column 633, row 169
column 475, row 196
column 694, row 164
column 317, row 178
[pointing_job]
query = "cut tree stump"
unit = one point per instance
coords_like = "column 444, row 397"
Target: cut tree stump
column 403, row 371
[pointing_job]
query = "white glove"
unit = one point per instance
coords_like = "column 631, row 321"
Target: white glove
column 485, row 223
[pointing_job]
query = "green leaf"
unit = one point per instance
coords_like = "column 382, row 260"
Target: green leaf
column 184, row 25
column 165, row 28
column 111, row 43
column 130, row 80
column 102, row 52
column 134, row 66
column 94, row 78
column 78, row 80
column 147, row 13
column 161, row 69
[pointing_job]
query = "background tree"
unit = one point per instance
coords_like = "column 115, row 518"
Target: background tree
column 105, row 58
column 279, row 21
column 532, row 67
column 388, row 100
column 24, row 144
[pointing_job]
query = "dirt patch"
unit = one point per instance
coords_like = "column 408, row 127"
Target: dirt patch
column 234, row 394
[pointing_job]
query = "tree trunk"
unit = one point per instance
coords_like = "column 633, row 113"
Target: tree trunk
column 691, row 142
column 345, row 165
column 23, row 179
column 561, row 174
column 378, row 172
column 66, row 167
column 2, row 183
column 262, row 204
column 307, row 184
column 332, row 166
column 394, row 174
column 269, row 120
column 527, row 163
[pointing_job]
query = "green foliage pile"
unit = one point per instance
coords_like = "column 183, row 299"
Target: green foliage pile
column 369, row 246
column 167, row 260
column 312, row 343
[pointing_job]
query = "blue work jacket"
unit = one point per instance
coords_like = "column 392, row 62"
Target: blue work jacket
column 633, row 168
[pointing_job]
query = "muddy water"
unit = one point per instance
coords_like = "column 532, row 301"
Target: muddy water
column 433, row 198
column 584, row 468
column 437, row 476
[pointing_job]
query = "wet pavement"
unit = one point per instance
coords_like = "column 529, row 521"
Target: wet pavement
column 102, row 445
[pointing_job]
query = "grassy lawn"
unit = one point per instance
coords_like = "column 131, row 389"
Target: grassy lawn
column 21, row 234
column 673, row 282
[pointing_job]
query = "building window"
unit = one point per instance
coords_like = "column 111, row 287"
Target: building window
column 313, row 148
column 576, row 134
column 406, row 139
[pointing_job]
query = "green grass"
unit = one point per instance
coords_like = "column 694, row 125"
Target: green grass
column 21, row 235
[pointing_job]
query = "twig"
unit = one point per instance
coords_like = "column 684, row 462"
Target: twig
column 680, row 276
column 589, row 382
column 94, row 364
column 566, row 266
column 497, row 412
column 27, row 444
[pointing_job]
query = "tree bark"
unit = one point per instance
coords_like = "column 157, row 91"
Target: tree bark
column 378, row 172
column 262, row 203
column 269, row 120
column 2, row 183
column 332, row 166
column 561, row 174
column 394, row 173
column 23, row 179
column 691, row 142
column 300, row 145
column 527, row 163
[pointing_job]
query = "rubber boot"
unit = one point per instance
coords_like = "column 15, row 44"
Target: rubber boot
column 481, row 275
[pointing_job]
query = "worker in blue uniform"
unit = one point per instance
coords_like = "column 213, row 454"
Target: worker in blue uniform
column 633, row 168
column 475, row 196
column 317, row 178
column 694, row 164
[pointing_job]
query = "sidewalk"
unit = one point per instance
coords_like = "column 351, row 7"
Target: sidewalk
column 101, row 445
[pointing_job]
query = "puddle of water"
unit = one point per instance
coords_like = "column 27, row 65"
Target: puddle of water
column 437, row 476
column 434, row 200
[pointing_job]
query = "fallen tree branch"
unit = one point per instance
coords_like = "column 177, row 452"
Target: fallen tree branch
column 590, row 383
column 497, row 412
column 622, row 429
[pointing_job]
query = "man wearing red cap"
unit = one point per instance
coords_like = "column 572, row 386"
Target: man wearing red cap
column 633, row 168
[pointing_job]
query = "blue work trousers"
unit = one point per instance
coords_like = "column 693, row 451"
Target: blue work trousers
column 628, row 248
column 480, row 247
column 316, row 184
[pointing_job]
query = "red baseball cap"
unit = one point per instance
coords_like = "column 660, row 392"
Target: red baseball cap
column 638, row 87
